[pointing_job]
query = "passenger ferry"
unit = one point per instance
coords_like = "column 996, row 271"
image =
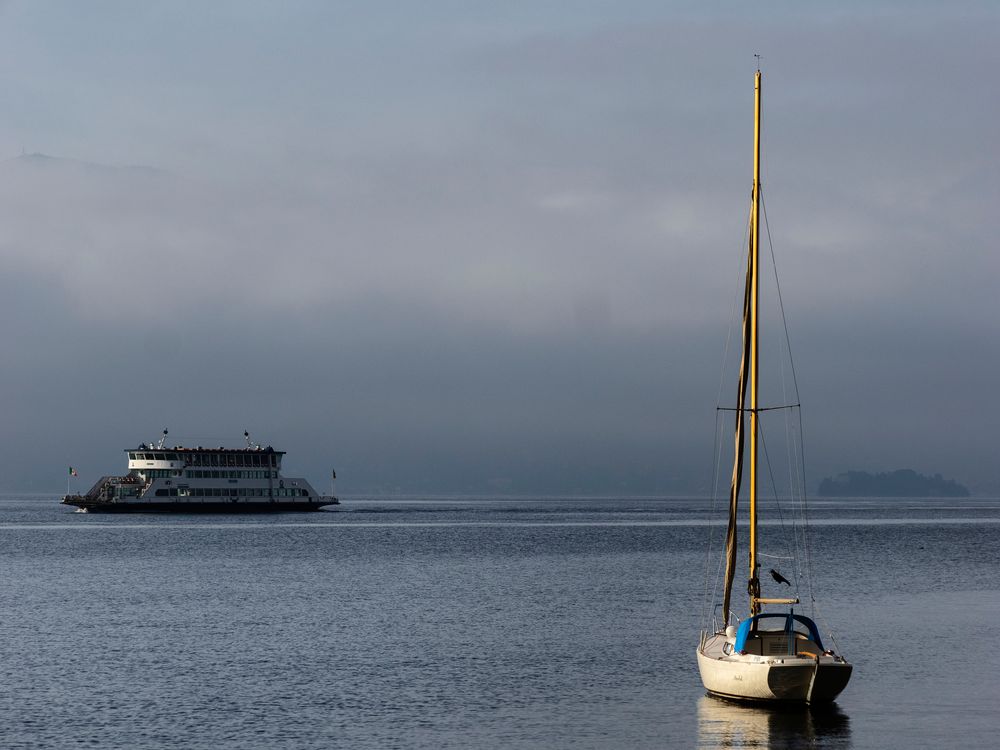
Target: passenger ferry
column 202, row 480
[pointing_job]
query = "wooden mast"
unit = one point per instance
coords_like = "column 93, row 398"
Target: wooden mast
column 754, row 584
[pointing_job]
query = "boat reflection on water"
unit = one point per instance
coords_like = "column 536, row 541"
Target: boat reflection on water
column 723, row 723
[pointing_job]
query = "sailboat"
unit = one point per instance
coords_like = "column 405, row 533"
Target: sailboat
column 772, row 655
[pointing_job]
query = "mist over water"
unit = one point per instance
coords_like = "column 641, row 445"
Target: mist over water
column 490, row 249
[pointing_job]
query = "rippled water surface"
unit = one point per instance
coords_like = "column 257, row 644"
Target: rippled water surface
column 429, row 623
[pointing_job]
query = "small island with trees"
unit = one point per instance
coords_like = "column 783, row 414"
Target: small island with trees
column 899, row 483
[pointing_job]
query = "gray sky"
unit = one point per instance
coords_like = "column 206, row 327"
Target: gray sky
column 489, row 247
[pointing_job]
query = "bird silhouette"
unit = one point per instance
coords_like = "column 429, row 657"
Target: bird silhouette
column 779, row 578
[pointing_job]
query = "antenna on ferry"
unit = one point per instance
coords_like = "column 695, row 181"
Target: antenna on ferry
column 333, row 477
column 163, row 438
column 246, row 435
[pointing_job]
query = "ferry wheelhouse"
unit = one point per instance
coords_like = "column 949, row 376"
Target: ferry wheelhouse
column 205, row 480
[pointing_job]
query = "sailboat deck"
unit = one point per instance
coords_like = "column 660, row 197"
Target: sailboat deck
column 779, row 643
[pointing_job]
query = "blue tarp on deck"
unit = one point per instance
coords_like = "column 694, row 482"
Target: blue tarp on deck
column 750, row 626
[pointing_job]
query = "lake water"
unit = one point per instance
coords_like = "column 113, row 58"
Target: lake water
column 473, row 623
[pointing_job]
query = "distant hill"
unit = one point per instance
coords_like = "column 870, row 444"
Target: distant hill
column 38, row 161
column 899, row 483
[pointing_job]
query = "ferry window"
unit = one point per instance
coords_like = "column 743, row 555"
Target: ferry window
column 171, row 456
column 131, row 456
column 160, row 456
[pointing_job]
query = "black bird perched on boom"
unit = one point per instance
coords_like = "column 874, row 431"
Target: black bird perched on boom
column 779, row 578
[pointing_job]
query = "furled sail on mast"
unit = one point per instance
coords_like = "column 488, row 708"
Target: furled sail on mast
column 734, row 489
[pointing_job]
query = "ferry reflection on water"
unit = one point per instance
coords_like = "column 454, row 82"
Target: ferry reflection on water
column 723, row 723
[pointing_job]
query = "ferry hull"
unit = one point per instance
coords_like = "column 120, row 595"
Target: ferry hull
column 228, row 507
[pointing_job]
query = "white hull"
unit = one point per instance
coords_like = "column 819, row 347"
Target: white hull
column 805, row 678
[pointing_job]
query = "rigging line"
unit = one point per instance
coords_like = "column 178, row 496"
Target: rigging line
column 744, row 250
column 775, row 557
column 716, row 464
column 794, row 485
column 758, row 410
column 805, row 517
column 732, row 311
column 784, row 356
column 774, row 488
column 718, row 570
column 781, row 303
column 795, row 381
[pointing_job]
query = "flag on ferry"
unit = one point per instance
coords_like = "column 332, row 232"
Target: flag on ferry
column 72, row 472
column 333, row 473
